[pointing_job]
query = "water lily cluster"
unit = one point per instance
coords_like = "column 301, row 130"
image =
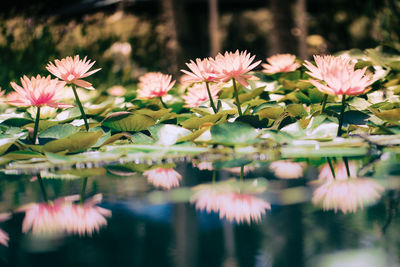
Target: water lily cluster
column 332, row 108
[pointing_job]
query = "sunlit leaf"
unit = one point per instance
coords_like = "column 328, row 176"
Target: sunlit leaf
column 233, row 133
column 128, row 122
column 76, row 142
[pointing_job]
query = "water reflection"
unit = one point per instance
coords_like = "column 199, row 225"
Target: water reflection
column 163, row 178
column 286, row 169
column 63, row 216
column 341, row 189
column 199, row 215
column 230, row 201
column 4, row 238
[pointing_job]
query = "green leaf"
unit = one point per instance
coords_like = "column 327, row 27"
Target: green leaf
column 17, row 122
column 128, row 122
column 236, row 133
column 253, row 120
column 296, row 110
column 141, row 138
column 167, row 134
column 196, row 122
column 355, row 117
column 388, row 115
column 59, row 131
column 253, row 94
column 269, row 111
column 73, row 143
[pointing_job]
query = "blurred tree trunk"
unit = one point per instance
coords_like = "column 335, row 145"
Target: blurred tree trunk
column 173, row 16
column 302, row 28
column 282, row 40
column 213, row 28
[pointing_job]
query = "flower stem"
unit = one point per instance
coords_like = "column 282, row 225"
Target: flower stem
column 163, row 103
column 339, row 132
column 331, row 166
column 241, row 173
column 42, row 188
column 36, row 127
column 83, row 189
column 237, row 97
column 346, row 163
column 210, row 97
column 78, row 102
column 324, row 103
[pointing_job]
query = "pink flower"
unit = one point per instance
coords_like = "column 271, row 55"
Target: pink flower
column 87, row 218
column 37, row 92
column 198, row 94
column 164, row 178
column 280, row 63
column 241, row 207
column 154, row 84
column 207, row 198
column 337, row 76
column 233, row 206
column 72, row 70
column 286, row 169
column 4, row 238
column 45, row 218
column 234, row 65
column 202, row 71
column 116, row 90
column 344, row 193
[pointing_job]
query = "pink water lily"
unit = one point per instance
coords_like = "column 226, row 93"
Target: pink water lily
column 72, row 70
column 342, row 192
column 87, row 218
column 37, row 91
column 234, row 66
column 337, row 76
column 198, row 94
column 280, row 63
column 163, row 178
column 202, row 71
column 154, row 84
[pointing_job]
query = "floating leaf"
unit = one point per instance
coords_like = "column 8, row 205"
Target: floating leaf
column 269, row 111
column 296, row 110
column 59, row 131
column 141, row 138
column 128, row 122
column 167, row 134
column 253, row 94
column 196, row 122
column 73, row 143
column 237, row 133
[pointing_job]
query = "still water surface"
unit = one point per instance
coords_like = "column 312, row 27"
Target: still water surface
column 287, row 213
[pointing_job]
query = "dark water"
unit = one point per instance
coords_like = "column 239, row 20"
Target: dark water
column 140, row 225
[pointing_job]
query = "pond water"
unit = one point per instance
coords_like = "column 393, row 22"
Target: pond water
column 297, row 212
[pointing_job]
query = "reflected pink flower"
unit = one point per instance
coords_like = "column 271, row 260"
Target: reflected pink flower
column 4, row 238
column 202, row 71
column 72, row 70
column 241, row 207
column 285, row 169
column 280, row 63
column 87, row 218
column 45, row 218
column 164, row 178
column 154, row 84
column 116, row 91
column 233, row 206
column 37, row 91
column 234, row 65
column 203, row 165
column 236, row 170
column 198, row 94
column 337, row 76
column 207, row 198
column 344, row 193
